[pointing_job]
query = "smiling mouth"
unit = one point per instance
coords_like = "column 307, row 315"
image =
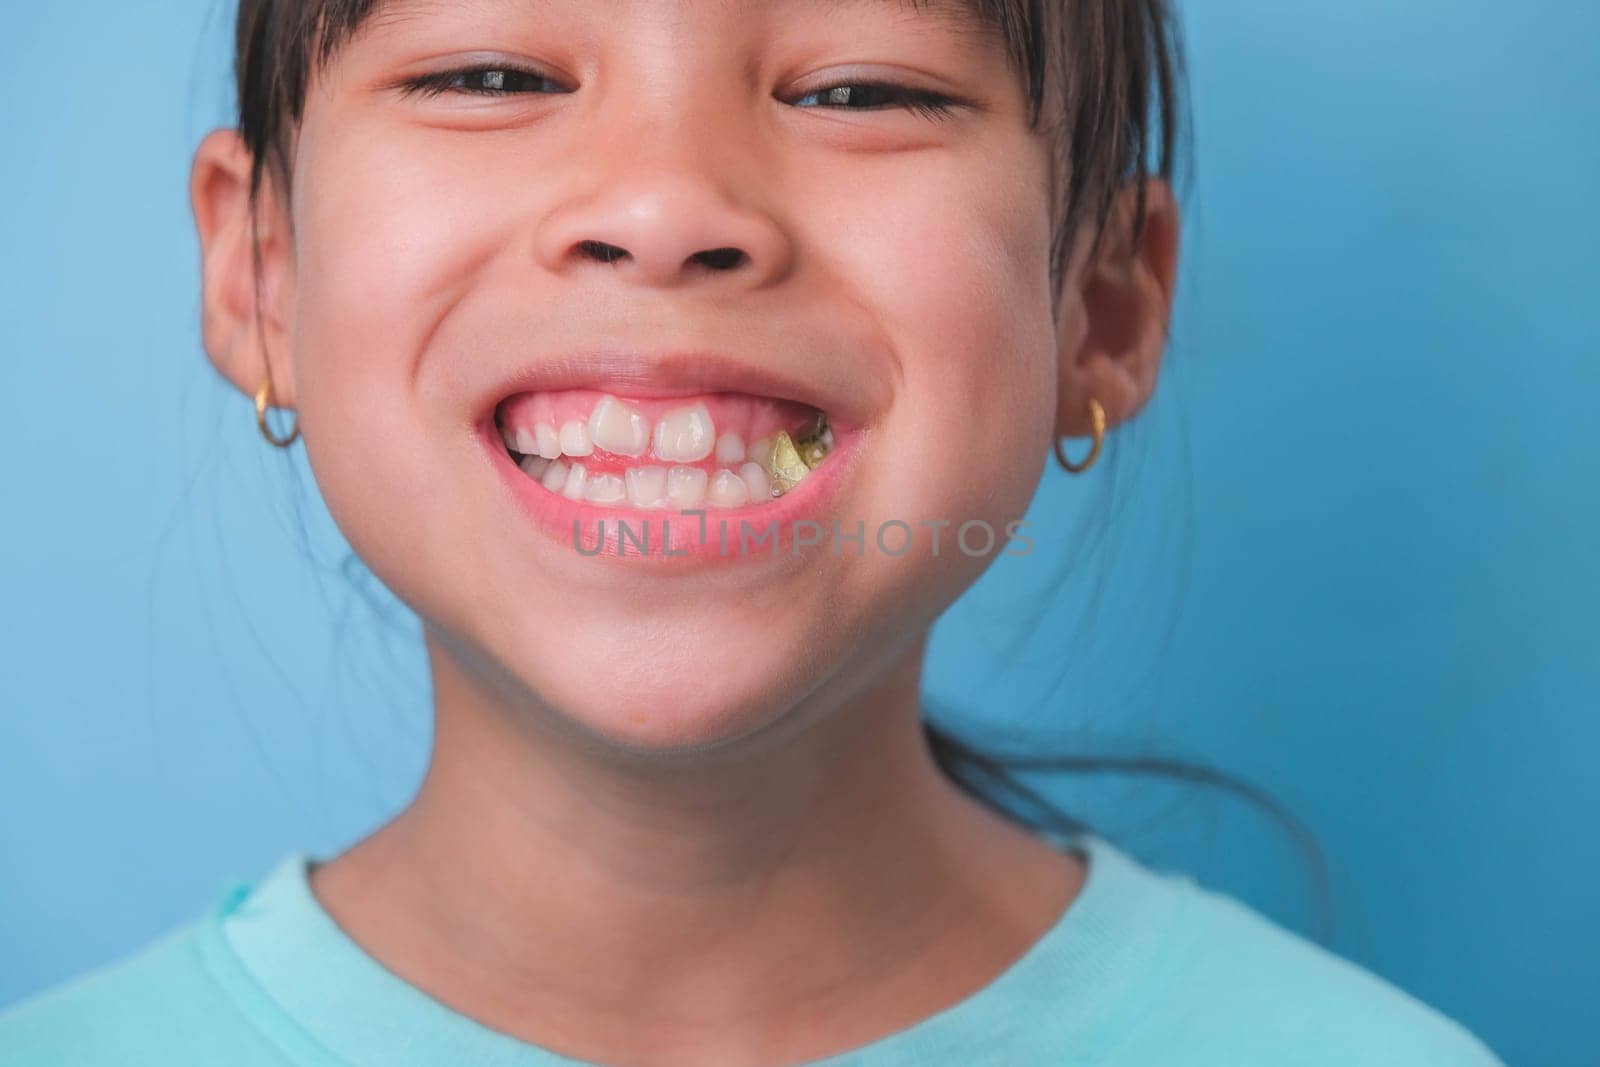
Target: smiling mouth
column 717, row 450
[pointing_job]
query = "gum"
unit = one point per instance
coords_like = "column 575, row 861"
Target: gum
column 751, row 417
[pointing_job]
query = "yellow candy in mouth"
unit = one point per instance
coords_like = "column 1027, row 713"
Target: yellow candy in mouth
column 785, row 466
column 792, row 460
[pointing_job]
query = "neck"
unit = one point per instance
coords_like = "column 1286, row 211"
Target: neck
column 542, row 876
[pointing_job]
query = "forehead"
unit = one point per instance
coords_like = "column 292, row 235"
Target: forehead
column 974, row 18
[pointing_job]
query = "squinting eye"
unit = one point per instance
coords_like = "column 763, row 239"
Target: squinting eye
column 478, row 81
column 509, row 81
column 860, row 95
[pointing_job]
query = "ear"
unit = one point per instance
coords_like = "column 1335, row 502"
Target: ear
column 1115, row 311
column 244, row 313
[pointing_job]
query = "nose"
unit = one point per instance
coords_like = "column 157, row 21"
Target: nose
column 665, row 220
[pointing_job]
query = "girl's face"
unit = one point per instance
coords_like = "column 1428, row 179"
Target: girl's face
column 449, row 263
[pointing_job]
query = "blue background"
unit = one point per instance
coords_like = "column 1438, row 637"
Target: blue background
column 1351, row 551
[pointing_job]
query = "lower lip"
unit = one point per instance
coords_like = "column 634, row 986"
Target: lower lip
column 670, row 537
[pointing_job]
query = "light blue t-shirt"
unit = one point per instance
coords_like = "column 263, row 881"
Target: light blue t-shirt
column 1144, row 969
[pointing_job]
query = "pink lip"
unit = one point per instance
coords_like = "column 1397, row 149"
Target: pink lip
column 675, row 539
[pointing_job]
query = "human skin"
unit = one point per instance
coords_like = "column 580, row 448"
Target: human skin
column 679, row 815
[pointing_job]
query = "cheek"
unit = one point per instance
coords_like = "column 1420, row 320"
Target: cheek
column 381, row 259
column 384, row 253
column 960, row 263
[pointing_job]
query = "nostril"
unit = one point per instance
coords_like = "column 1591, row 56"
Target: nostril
column 605, row 253
column 721, row 258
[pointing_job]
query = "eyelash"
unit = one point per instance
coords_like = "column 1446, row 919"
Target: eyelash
column 920, row 101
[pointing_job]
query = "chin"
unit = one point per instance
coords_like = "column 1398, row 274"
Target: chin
column 685, row 696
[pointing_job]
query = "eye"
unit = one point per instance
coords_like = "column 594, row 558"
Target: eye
column 514, row 81
column 479, row 81
column 862, row 96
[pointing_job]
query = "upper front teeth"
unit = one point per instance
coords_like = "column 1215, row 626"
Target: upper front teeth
column 616, row 427
column 685, row 435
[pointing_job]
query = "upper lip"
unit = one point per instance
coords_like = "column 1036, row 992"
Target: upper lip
column 680, row 372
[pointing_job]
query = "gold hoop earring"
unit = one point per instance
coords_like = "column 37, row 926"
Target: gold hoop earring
column 1097, row 415
column 263, row 396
